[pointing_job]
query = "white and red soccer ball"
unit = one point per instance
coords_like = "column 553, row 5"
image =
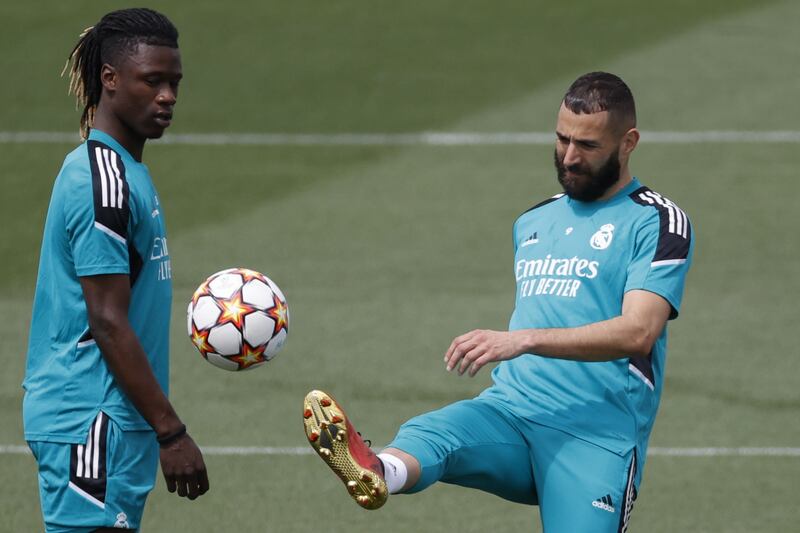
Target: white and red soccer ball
column 238, row 319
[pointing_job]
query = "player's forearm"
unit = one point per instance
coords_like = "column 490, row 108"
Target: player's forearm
column 128, row 363
column 602, row 341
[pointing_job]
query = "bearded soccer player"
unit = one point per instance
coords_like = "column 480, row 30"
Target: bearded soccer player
column 95, row 411
column 600, row 270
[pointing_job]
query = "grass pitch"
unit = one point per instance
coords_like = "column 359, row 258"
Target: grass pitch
column 387, row 252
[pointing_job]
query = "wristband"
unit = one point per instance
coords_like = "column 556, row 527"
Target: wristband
column 172, row 437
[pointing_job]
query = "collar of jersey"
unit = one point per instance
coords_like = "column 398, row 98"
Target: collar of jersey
column 594, row 206
column 105, row 138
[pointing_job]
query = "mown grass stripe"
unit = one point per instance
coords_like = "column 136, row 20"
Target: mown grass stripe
column 428, row 138
column 655, row 451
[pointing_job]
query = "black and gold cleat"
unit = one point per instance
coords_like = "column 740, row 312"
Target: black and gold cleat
column 343, row 450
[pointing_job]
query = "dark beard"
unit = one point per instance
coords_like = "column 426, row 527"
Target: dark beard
column 589, row 186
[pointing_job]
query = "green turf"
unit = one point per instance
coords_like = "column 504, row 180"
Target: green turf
column 346, row 66
column 386, row 253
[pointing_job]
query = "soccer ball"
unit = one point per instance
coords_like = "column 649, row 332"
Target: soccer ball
column 238, row 319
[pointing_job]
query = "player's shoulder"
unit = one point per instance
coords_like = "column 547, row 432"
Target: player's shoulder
column 94, row 172
column 660, row 215
column 105, row 159
column 94, row 153
column 76, row 163
column 75, row 176
column 544, row 205
column 657, row 205
column 91, row 156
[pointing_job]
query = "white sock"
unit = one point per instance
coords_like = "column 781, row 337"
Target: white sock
column 395, row 472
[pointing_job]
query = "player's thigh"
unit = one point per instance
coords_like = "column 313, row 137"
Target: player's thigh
column 582, row 488
column 103, row 482
column 473, row 444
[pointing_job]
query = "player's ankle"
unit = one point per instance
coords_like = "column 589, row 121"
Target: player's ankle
column 395, row 472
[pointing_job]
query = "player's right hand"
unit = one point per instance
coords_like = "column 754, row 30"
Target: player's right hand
column 183, row 467
column 471, row 351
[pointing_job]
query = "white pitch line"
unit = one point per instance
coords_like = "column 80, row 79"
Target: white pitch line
column 724, row 452
column 256, row 450
column 651, row 452
column 14, row 450
column 425, row 138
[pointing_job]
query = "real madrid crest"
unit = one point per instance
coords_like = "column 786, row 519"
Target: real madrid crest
column 603, row 237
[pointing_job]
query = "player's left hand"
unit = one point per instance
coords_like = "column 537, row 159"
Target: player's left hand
column 471, row 351
column 183, row 468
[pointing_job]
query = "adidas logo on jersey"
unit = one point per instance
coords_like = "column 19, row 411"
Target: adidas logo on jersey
column 604, row 503
column 533, row 239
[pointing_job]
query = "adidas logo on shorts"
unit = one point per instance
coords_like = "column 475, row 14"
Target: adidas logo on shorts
column 604, row 503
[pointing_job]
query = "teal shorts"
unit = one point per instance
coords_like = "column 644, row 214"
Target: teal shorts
column 579, row 486
column 103, row 482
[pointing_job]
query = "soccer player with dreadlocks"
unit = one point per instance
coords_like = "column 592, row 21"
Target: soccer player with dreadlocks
column 95, row 411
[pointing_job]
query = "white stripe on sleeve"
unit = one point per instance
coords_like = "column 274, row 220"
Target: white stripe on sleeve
column 117, row 176
column 112, row 182
column 98, row 155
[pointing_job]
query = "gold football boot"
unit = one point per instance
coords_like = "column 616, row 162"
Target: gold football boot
column 332, row 436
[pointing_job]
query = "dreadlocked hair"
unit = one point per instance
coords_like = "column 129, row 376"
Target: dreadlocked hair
column 117, row 32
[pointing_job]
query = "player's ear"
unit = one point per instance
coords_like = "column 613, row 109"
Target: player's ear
column 629, row 141
column 109, row 77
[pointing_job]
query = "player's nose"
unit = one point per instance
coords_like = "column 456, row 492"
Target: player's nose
column 572, row 156
column 167, row 97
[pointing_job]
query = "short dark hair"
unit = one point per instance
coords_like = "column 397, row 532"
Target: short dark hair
column 601, row 91
column 117, row 32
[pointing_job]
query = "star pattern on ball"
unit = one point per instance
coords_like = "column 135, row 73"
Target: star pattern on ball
column 280, row 313
column 249, row 356
column 200, row 340
column 249, row 275
column 233, row 310
column 202, row 290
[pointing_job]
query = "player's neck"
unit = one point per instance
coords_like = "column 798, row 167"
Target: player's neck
column 132, row 142
column 624, row 180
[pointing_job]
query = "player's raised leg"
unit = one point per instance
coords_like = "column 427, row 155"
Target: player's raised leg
column 469, row 443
